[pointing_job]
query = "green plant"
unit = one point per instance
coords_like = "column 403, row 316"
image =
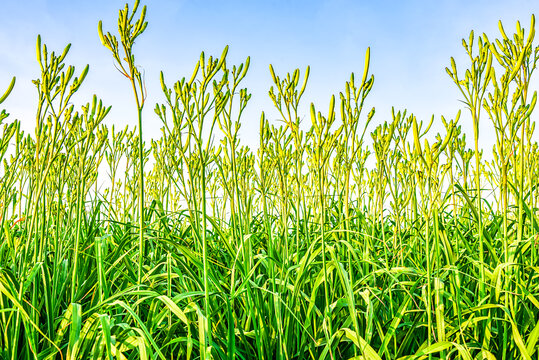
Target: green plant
column 331, row 240
column 125, row 61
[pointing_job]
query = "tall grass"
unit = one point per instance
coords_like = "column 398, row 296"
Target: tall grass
column 298, row 250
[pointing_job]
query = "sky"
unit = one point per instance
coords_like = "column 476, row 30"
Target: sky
column 411, row 43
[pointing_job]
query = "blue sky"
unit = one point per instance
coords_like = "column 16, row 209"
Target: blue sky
column 411, row 44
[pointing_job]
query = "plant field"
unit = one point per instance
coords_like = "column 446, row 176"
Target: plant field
column 337, row 238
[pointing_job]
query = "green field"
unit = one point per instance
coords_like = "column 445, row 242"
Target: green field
column 336, row 238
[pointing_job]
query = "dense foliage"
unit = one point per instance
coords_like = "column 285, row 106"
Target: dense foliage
column 199, row 247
